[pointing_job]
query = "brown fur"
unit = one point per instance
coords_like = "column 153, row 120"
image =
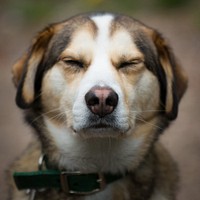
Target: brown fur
column 157, row 171
column 57, row 59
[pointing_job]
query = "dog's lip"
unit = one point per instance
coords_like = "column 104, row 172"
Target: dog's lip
column 101, row 126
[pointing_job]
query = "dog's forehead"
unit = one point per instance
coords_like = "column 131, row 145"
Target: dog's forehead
column 106, row 31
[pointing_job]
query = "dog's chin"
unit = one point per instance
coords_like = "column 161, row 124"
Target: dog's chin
column 100, row 131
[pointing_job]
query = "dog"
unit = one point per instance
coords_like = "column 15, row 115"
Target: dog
column 98, row 90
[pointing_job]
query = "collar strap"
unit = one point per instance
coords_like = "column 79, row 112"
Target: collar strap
column 70, row 183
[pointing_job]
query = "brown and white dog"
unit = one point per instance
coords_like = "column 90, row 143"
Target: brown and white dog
column 98, row 89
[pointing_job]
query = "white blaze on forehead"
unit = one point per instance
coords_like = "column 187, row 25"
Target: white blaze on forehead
column 100, row 71
column 103, row 24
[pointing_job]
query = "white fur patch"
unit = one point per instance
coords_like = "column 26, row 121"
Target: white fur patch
column 93, row 155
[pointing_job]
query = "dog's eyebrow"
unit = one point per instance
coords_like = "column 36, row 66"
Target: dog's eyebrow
column 69, row 54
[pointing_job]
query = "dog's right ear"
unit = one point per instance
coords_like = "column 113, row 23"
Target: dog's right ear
column 25, row 69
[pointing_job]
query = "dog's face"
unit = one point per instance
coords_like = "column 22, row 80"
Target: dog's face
column 100, row 76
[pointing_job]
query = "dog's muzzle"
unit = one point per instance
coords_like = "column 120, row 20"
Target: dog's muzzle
column 101, row 112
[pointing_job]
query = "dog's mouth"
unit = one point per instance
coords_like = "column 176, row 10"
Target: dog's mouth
column 101, row 130
column 108, row 126
column 101, row 126
column 98, row 127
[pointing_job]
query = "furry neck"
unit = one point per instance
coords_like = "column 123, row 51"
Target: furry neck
column 73, row 153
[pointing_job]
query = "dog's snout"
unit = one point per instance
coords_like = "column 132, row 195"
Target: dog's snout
column 101, row 100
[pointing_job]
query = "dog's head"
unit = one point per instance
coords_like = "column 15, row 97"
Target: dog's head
column 100, row 75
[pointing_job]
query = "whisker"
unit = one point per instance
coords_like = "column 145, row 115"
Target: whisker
column 43, row 114
column 35, row 119
column 149, row 123
column 58, row 116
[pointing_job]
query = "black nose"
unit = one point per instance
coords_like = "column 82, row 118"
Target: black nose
column 101, row 100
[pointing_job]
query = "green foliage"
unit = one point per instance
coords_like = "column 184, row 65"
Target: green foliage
column 31, row 10
column 171, row 3
column 34, row 10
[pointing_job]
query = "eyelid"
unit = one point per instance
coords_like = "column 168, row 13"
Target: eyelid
column 73, row 61
column 68, row 58
column 136, row 59
column 126, row 63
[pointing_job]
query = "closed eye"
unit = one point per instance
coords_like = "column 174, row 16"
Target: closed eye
column 130, row 63
column 74, row 63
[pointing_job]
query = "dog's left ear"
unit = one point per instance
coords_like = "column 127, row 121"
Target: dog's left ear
column 176, row 79
column 24, row 71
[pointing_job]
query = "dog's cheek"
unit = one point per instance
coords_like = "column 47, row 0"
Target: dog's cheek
column 146, row 101
column 53, row 87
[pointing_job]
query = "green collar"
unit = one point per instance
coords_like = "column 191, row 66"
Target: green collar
column 69, row 182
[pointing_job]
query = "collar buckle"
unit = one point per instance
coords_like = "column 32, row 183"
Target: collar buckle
column 77, row 183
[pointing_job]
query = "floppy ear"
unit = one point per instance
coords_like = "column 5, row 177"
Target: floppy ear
column 24, row 71
column 176, row 79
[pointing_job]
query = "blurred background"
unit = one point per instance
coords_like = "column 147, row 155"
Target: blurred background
column 178, row 20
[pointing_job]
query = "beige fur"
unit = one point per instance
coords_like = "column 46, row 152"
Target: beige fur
column 115, row 53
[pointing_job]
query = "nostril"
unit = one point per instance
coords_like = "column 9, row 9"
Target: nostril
column 112, row 99
column 91, row 99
